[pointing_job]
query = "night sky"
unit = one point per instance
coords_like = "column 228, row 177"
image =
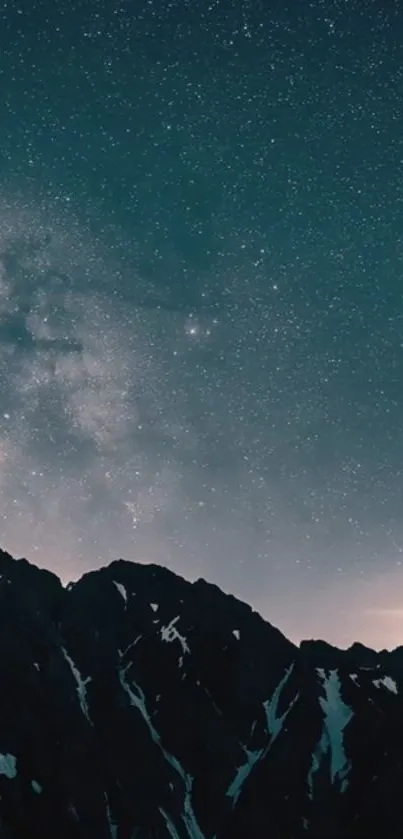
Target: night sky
column 201, row 298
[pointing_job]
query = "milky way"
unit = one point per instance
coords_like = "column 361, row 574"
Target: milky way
column 201, row 317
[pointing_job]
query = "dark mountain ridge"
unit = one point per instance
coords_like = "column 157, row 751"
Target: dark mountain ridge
column 136, row 704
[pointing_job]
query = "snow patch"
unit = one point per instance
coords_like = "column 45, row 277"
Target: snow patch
column 36, row 787
column 129, row 646
column 81, row 685
column 274, row 722
column 72, row 809
column 113, row 828
column 170, row 633
column 170, row 825
column 387, row 682
column 121, row 589
column 138, row 700
column 337, row 716
column 354, row 678
column 216, row 708
column 8, row 766
column 242, row 773
column 155, row 606
column 274, row 726
column 236, row 633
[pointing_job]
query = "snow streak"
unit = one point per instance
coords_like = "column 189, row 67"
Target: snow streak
column 337, row 716
column 138, row 700
column 81, row 685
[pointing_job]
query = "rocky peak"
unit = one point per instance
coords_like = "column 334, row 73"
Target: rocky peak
column 137, row 704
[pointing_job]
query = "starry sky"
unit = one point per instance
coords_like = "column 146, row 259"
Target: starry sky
column 201, row 299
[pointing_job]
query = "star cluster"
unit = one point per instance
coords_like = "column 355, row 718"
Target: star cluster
column 201, row 316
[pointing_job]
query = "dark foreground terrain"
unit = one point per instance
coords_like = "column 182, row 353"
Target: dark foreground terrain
column 135, row 705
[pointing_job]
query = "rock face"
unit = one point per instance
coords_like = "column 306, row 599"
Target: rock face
column 135, row 705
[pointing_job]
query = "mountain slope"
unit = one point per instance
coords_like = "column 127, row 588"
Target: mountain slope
column 136, row 704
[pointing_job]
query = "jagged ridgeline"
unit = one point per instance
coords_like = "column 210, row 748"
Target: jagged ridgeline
column 136, row 704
